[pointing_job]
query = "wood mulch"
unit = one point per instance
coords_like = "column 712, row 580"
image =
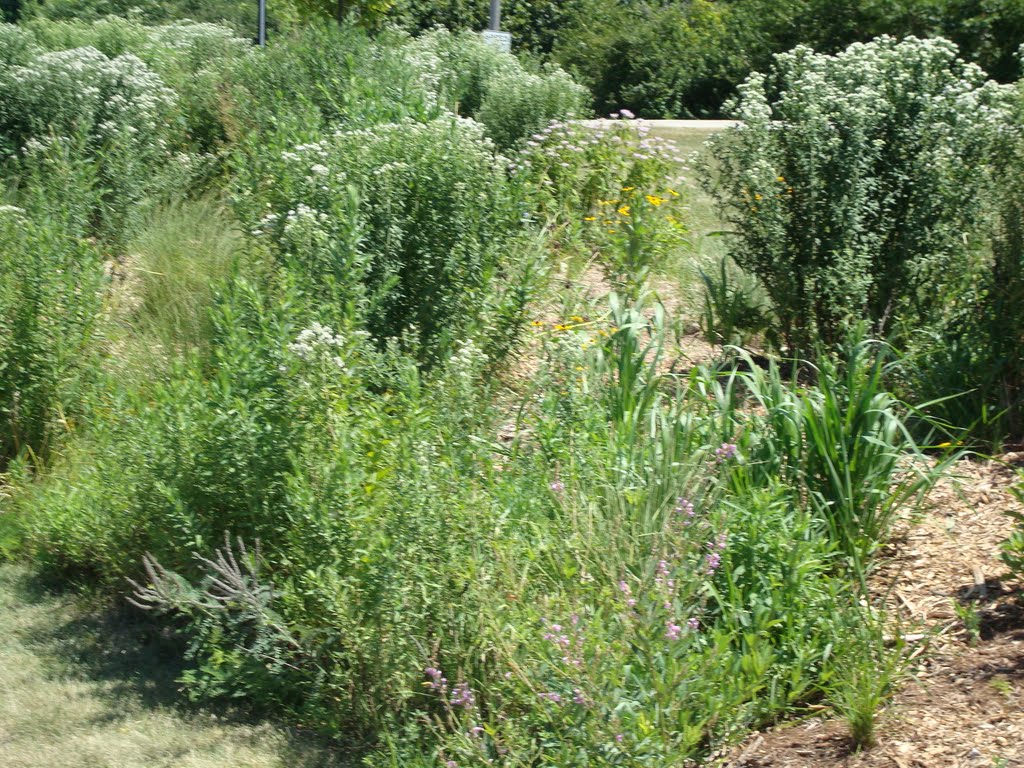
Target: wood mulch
column 962, row 703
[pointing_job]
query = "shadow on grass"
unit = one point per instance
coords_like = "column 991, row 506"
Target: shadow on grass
column 130, row 664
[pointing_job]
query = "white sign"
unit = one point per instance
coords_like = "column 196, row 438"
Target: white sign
column 500, row 40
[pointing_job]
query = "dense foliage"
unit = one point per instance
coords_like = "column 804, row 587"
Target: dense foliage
column 852, row 182
column 285, row 341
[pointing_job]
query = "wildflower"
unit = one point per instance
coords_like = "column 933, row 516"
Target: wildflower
column 537, row 323
column 557, row 486
column 551, row 696
column 725, row 452
column 672, row 631
column 578, row 697
column 693, row 624
column 619, row 737
column 684, row 507
column 462, row 696
column 438, row 681
column 654, row 200
column 590, row 218
column 673, row 193
column 624, row 210
column 781, row 179
column 475, row 732
column 628, row 189
column 712, row 562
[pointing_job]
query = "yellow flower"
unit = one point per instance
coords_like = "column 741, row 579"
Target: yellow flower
column 590, row 218
column 562, row 327
column 624, row 210
column 576, row 319
column 654, row 200
column 757, row 197
column 781, row 179
column 673, row 193
column 628, row 189
column 537, row 323
column 947, row 444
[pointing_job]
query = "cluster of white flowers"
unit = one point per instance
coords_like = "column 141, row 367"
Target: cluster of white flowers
column 59, row 90
column 467, row 360
column 319, row 342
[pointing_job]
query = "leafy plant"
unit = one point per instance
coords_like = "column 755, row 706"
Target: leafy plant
column 50, row 296
column 850, row 197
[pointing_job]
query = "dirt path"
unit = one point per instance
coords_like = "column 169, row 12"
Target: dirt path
column 80, row 688
column 963, row 704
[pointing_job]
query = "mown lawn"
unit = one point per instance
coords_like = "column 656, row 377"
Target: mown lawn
column 86, row 687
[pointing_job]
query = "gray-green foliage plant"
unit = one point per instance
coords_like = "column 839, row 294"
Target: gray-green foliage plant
column 853, row 181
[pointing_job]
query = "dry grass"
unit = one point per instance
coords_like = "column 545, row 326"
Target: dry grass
column 88, row 688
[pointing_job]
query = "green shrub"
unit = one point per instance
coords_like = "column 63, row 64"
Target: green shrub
column 853, row 181
column 87, row 108
column 50, row 295
column 416, row 238
column 494, row 88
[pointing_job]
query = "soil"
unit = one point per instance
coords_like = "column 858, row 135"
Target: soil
column 962, row 702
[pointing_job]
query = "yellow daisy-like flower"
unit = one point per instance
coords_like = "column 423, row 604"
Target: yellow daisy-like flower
column 673, row 193
column 781, row 179
column 562, row 327
column 590, row 218
column 628, row 189
column 576, row 319
column 624, row 210
column 537, row 323
column 757, row 197
column 654, row 200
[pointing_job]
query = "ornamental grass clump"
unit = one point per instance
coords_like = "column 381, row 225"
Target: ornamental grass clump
column 853, row 181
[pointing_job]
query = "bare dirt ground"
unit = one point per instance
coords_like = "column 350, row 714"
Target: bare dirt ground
column 962, row 704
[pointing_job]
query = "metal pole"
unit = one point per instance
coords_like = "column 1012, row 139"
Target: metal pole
column 261, row 23
column 495, row 15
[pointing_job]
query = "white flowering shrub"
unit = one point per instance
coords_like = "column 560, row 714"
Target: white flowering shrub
column 115, row 112
column 494, row 88
column 17, row 45
column 405, row 223
column 64, row 92
column 853, row 179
